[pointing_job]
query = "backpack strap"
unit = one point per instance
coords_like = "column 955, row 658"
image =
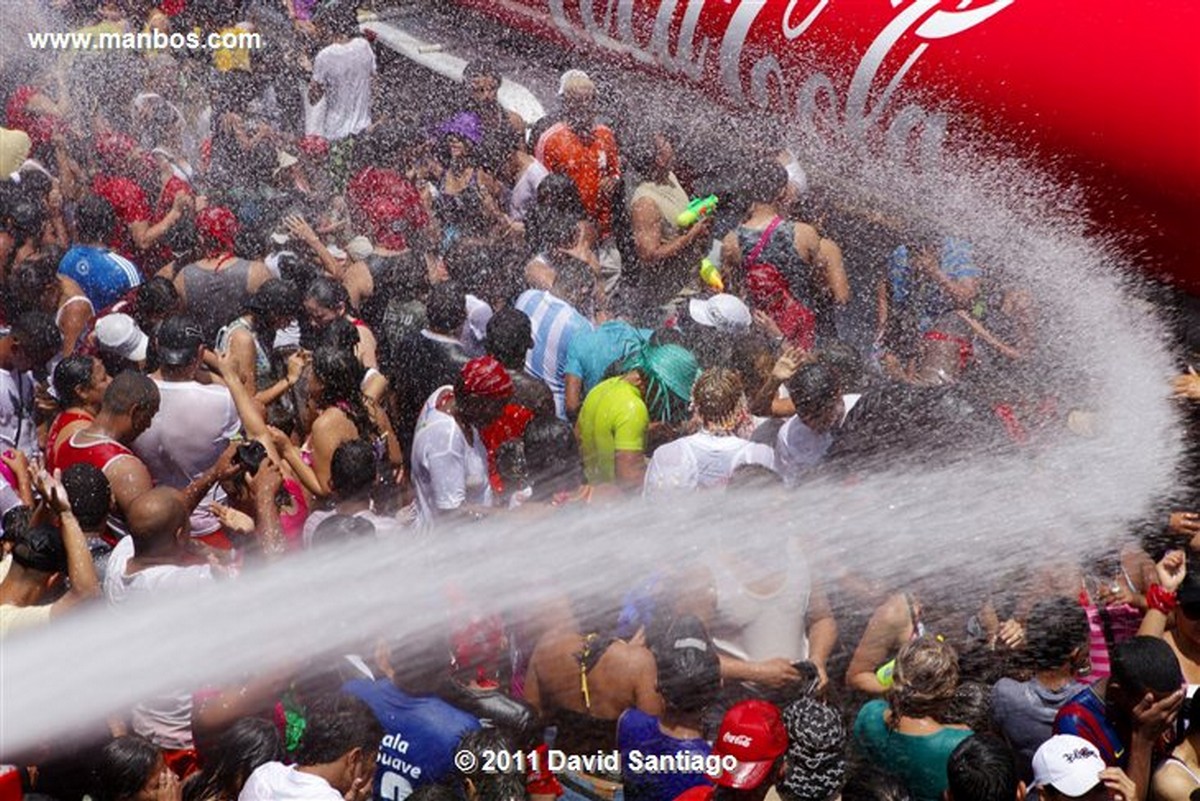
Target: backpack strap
column 757, row 250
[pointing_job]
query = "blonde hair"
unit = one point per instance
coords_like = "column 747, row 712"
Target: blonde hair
column 718, row 398
column 925, row 679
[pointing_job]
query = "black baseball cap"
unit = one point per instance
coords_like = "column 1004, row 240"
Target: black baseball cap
column 179, row 338
column 41, row 549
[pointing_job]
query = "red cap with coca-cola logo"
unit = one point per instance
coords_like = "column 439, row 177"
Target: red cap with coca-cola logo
column 752, row 732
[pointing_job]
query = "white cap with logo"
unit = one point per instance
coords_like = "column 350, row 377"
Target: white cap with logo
column 119, row 334
column 724, row 312
column 1071, row 764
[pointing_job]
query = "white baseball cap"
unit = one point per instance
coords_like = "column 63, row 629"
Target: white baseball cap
column 1071, row 764
column 119, row 334
column 726, row 312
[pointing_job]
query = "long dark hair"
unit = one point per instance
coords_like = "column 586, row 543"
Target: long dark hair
column 240, row 749
column 124, row 767
column 341, row 377
column 71, row 375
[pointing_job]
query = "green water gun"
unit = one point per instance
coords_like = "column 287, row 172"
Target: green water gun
column 711, row 276
column 697, row 210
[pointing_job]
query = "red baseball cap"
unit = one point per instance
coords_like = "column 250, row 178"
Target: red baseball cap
column 752, row 732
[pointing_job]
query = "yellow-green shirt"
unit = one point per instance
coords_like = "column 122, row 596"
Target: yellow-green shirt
column 613, row 418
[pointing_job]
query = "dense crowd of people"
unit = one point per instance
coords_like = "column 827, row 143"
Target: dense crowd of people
column 260, row 302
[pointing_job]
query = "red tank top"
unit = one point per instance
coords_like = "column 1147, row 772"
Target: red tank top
column 62, row 421
column 99, row 453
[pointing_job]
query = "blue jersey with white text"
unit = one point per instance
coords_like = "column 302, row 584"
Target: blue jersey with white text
column 420, row 736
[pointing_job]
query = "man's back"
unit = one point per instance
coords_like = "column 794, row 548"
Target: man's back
column 1085, row 716
column 555, row 323
column 702, row 461
column 421, row 734
column 275, row 781
column 345, row 70
column 194, row 425
column 104, row 276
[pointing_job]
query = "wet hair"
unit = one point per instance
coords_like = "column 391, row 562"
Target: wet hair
column 340, row 373
column 434, row 792
column 1146, row 664
column 845, row 361
column 124, row 767
column 641, row 149
column 480, row 68
column 689, row 670
column 339, row 528
column 717, row 395
column 1054, row 629
column 813, row 389
column 328, row 294
column 446, row 308
column 558, row 192
column 572, row 277
column 39, row 336
column 872, row 783
column 94, row 218
column 753, row 477
column 90, row 494
column 274, row 299
column 925, row 679
column 335, row 724
column 770, row 179
column 982, row 768
column 669, row 372
column 548, row 229
column 341, row 334
column 244, row 746
column 552, row 459
column 129, row 389
column 155, row 298
column 352, row 468
column 509, row 336
column 28, row 284
column 405, row 277
column 24, row 217
column 72, row 374
column 971, row 706
column 14, row 525
column 497, row 785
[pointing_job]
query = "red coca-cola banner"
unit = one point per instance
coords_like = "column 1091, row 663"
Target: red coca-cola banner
column 1104, row 91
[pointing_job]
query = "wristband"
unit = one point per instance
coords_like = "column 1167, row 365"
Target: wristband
column 1161, row 599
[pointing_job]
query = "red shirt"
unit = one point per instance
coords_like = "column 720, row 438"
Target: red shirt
column 167, row 196
column 129, row 204
column 372, row 185
column 509, row 425
column 586, row 163
column 40, row 127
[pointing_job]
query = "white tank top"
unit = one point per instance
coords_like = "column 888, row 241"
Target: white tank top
column 755, row 627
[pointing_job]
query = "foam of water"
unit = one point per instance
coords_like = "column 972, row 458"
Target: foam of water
column 971, row 519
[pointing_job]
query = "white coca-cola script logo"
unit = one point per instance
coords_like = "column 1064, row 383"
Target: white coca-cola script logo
column 867, row 99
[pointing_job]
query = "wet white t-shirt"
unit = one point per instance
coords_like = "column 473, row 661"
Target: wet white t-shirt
column 447, row 471
column 275, row 781
column 194, row 425
column 166, row 719
column 701, row 461
column 18, row 429
column 345, row 71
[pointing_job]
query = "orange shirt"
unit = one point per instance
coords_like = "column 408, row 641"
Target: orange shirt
column 586, row 162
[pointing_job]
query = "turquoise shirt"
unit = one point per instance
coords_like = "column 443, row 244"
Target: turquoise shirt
column 917, row 760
